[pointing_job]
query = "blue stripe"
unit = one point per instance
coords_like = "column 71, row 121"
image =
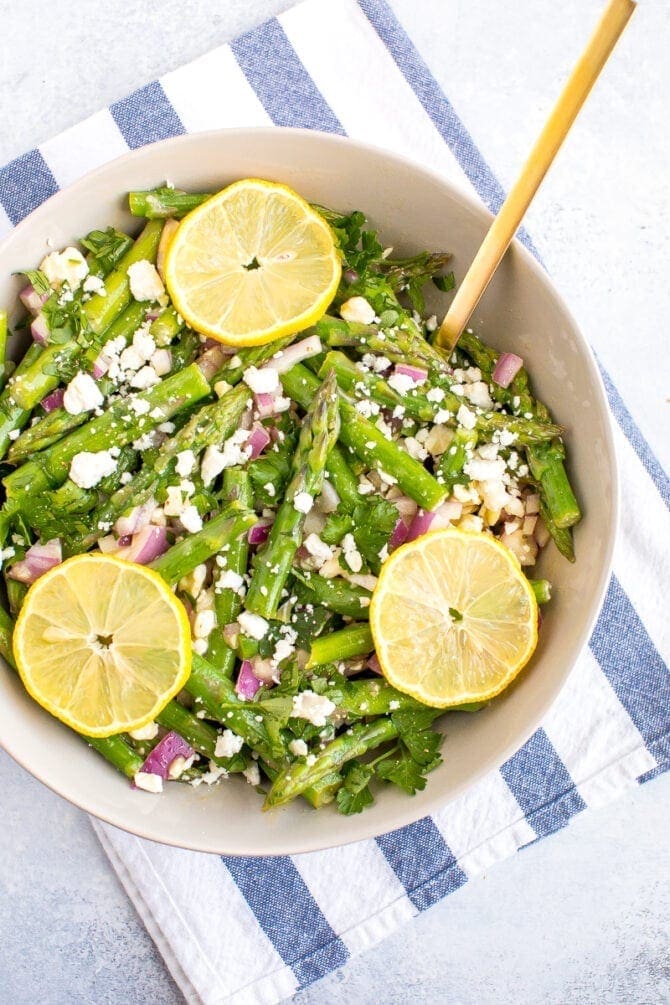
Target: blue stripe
column 542, row 785
column 146, row 116
column 283, row 86
column 24, row 185
column 423, row 862
column 634, row 668
column 636, row 439
column 289, row 915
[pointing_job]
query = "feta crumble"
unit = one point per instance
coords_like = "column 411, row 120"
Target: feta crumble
column 252, row 625
column 303, row 502
column 87, row 469
column 148, row 781
column 298, row 748
column 228, row 744
column 261, row 381
column 145, row 283
column 314, row 707
column 68, row 266
column 357, row 309
column 82, row 394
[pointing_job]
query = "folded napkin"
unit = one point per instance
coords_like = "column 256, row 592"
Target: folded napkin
column 255, row 930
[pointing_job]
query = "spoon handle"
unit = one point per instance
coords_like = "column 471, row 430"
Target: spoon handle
column 506, row 223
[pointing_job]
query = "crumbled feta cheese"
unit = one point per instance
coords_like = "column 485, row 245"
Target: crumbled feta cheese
column 199, row 646
column 310, row 760
column 435, row 394
column 466, row 418
column 438, row 440
column 252, row 774
column 144, row 344
column 414, row 448
column 314, row 707
column 303, row 502
column 204, row 624
column 478, row 394
column 130, row 359
column 185, row 463
column 179, row 765
column 94, row 284
column 252, row 625
column 282, row 651
column 431, row 323
column 144, row 378
column 145, row 283
column 357, row 309
column 228, row 744
column 139, row 406
column 148, row 732
column 261, row 381
column 230, row 580
column 318, row 548
column 191, row 519
column 174, row 502
column 367, row 408
column 441, row 417
column 68, row 266
column 401, row 382
column 148, row 781
column 495, row 494
column 298, row 748
column 365, row 486
column 352, row 556
column 221, row 387
column 87, row 469
column 394, row 705
column 481, row 470
column 194, row 581
column 235, row 451
column 82, row 394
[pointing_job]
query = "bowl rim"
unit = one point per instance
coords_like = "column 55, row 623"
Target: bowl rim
column 365, row 828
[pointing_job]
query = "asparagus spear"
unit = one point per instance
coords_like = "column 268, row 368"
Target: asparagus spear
column 355, row 742
column 354, row 640
column 182, row 557
column 12, row 416
column 418, row 406
column 118, row 752
column 227, row 602
column 160, row 203
column 336, row 594
column 199, row 734
column 369, row 443
column 545, row 460
column 455, row 457
column 29, row 387
column 319, row 432
column 117, row 426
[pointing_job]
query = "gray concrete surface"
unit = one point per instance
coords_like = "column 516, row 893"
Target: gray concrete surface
column 585, row 915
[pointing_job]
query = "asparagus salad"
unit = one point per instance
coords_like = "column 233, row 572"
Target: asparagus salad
column 255, row 522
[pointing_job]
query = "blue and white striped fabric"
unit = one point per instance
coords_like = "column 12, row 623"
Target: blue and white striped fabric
column 255, row 930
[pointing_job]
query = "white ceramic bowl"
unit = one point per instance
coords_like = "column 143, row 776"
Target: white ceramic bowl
column 413, row 209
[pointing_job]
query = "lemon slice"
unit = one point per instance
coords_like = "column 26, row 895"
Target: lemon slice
column 453, row 618
column 102, row 644
column 252, row 264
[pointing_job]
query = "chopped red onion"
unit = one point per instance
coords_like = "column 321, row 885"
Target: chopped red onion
column 100, row 367
column 445, row 514
column 247, row 682
column 373, row 664
column 264, row 404
column 38, row 559
column 31, row 299
column 53, row 400
column 350, row 276
column 506, row 368
column 329, row 499
column 136, row 520
column 124, row 541
column 108, row 544
column 231, row 634
column 399, row 535
column 258, row 534
column 165, row 753
column 211, row 361
column 417, row 373
column 145, row 546
column 421, row 523
column 258, row 440
column 39, row 329
column 264, row 669
column 295, row 353
column 406, row 507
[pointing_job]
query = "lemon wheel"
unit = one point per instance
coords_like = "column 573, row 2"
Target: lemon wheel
column 252, row 264
column 102, row 644
column 453, row 618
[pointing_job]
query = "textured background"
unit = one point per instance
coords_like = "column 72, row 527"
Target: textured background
column 583, row 916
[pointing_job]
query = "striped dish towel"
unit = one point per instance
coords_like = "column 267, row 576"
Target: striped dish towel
column 255, row 930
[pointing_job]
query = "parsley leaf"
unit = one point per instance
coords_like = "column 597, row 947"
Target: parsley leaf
column 354, row 795
column 401, row 769
column 415, row 733
column 107, row 246
column 38, row 281
column 445, row 283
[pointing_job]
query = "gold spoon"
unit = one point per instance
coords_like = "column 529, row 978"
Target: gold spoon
column 506, row 223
